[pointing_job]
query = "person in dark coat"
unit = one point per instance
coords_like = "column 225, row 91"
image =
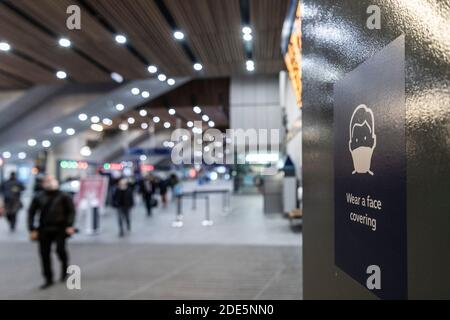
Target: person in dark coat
column 12, row 191
column 163, row 186
column 147, row 189
column 123, row 201
column 56, row 218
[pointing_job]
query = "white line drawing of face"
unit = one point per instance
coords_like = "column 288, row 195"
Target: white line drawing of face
column 362, row 139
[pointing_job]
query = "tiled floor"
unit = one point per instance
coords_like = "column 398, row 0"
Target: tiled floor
column 245, row 254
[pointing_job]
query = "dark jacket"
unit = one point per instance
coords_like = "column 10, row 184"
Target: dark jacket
column 56, row 210
column 147, row 187
column 123, row 198
column 12, row 189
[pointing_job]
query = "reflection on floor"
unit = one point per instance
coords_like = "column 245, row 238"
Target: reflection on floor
column 244, row 255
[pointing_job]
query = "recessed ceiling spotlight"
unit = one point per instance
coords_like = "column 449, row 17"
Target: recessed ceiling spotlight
column 167, row 125
column 145, row 94
column 142, row 157
column 170, row 82
column 152, row 69
column 131, row 120
column 162, row 77
column 198, row 66
column 156, row 119
column 61, row 75
column 178, row 35
column 120, row 107
column 57, row 130
column 246, row 30
column 6, row 155
column 107, row 122
column 64, row 42
column 117, row 77
column 197, row 109
column 247, row 37
column 70, row 131
column 142, row 112
column 96, row 127
column 4, row 46
column 172, row 111
column 82, row 116
column 95, row 119
column 205, row 118
column 123, row 126
column 31, row 142
column 85, row 151
column 21, row 155
column 135, row 91
column 120, row 38
column 250, row 65
column 211, row 124
column 190, row 124
column 144, row 126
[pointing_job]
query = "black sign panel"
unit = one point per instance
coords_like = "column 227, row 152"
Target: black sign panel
column 370, row 173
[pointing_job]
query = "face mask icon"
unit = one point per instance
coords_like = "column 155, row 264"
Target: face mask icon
column 362, row 139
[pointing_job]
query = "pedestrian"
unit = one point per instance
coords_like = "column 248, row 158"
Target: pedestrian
column 12, row 191
column 55, row 224
column 163, row 185
column 123, row 201
column 147, row 189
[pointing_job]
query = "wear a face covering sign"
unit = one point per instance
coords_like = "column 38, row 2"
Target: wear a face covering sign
column 370, row 170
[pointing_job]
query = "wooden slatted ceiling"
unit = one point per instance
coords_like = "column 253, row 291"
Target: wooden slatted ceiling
column 93, row 39
column 7, row 82
column 148, row 31
column 266, row 17
column 24, row 37
column 213, row 31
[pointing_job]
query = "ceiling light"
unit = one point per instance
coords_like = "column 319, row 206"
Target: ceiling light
column 172, row 111
column 4, row 46
column 152, row 69
column 82, row 117
column 156, row 119
column 250, row 65
column 85, row 151
column 64, row 42
column 70, row 131
column 205, row 118
column 135, row 91
column 120, row 107
column 21, row 155
column 6, row 155
column 120, row 38
column 178, row 35
column 107, row 122
column 96, row 127
column 117, row 77
column 142, row 112
column 170, row 82
column 246, row 30
column 142, row 157
column 190, row 124
column 197, row 109
column 162, row 77
column 131, row 120
column 145, row 94
column 185, row 137
column 57, row 130
column 144, row 126
column 61, row 75
column 166, row 144
column 167, row 125
column 198, row 66
column 95, row 119
column 211, row 124
column 247, row 37
column 123, row 126
column 31, row 142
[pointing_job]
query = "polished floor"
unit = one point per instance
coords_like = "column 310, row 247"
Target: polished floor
column 245, row 254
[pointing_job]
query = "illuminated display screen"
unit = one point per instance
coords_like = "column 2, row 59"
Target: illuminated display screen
column 293, row 56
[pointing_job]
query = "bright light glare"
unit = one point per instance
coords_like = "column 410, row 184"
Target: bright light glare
column 262, row 158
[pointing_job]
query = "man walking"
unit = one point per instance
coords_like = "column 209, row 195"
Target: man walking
column 56, row 217
column 12, row 190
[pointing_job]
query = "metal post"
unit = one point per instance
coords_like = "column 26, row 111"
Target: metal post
column 178, row 223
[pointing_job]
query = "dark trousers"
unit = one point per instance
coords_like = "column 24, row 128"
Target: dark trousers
column 148, row 199
column 124, row 218
column 11, row 217
column 46, row 239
